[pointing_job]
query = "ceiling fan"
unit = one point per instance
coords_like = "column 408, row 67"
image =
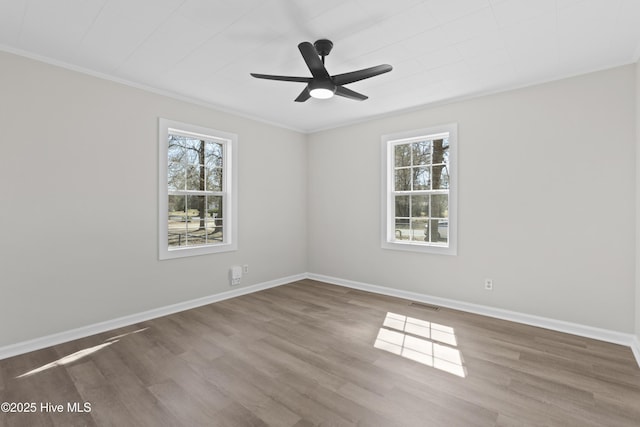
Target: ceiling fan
column 322, row 85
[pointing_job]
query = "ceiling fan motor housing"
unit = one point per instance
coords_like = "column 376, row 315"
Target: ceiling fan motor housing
column 323, row 47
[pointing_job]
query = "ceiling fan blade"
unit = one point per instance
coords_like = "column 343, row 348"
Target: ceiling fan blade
column 282, row 78
column 304, row 95
column 348, row 93
column 354, row 76
column 313, row 60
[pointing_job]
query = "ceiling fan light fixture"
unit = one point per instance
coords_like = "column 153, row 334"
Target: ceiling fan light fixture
column 322, row 89
column 321, row 93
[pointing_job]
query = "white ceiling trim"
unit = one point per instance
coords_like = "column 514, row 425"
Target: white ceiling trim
column 225, row 110
column 146, row 88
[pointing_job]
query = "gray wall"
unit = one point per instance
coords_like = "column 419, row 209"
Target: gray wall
column 78, row 179
column 546, row 202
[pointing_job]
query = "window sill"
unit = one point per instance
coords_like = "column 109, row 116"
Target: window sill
column 197, row 250
column 418, row 247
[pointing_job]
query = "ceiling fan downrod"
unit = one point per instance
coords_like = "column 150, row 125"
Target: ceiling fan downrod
column 323, row 47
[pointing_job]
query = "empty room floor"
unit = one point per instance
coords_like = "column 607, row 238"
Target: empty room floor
column 309, row 353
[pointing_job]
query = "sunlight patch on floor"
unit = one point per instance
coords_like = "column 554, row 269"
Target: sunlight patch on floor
column 68, row 359
column 424, row 342
column 80, row 354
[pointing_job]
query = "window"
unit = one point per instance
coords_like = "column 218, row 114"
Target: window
column 419, row 190
column 197, row 190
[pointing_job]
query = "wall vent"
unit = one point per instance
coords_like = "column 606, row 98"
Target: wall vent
column 425, row 306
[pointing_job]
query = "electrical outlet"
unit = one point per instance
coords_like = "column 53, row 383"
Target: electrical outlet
column 488, row 284
column 245, row 268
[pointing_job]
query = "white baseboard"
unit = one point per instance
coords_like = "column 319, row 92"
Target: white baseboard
column 96, row 328
column 606, row 335
column 635, row 347
column 628, row 340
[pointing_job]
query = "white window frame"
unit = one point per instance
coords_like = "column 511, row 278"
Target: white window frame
column 229, row 189
column 388, row 202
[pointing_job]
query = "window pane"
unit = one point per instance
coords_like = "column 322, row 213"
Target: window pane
column 403, row 180
column 176, row 207
column 421, row 178
column 192, row 177
column 185, row 157
column 403, row 155
column 439, row 206
column 214, row 219
column 196, row 237
column 214, row 207
column 211, row 235
column 440, row 177
column 213, row 166
column 176, row 152
column 440, row 146
column 418, row 227
column 214, row 179
column 443, row 230
column 195, row 205
column 402, row 206
column 402, row 229
column 177, row 236
column 420, row 206
column 193, row 146
column 176, row 161
column 176, row 176
column 437, row 231
column 177, row 224
column 214, row 231
column 421, row 153
column 213, row 153
column 445, row 148
column 195, row 221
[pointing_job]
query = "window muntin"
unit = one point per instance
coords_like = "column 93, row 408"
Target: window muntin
column 418, row 190
column 197, row 190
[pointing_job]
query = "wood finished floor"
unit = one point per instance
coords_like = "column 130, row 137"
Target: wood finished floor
column 303, row 354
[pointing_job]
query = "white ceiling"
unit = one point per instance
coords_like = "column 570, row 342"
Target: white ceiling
column 440, row 49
